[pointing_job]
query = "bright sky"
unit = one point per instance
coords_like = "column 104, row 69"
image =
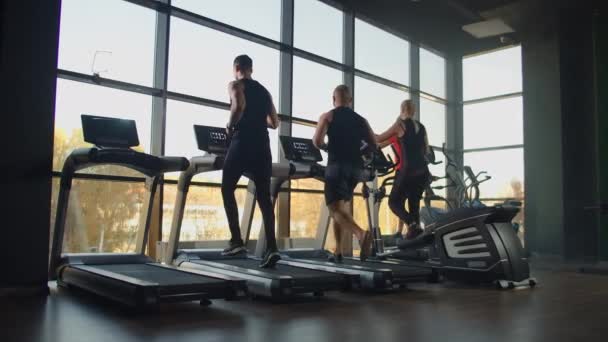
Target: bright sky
column 200, row 64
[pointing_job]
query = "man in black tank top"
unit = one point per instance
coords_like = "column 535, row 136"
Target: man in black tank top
column 414, row 174
column 252, row 112
column 345, row 130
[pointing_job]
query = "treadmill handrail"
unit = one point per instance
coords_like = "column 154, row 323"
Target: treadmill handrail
column 151, row 166
column 147, row 164
column 196, row 165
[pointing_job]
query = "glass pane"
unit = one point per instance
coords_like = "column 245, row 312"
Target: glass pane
column 314, row 19
column 313, row 86
column 494, row 123
column 304, row 214
column 432, row 73
column 113, row 38
column 506, row 167
column 381, row 114
column 76, row 98
column 204, row 69
column 492, row 74
column 262, row 17
column 204, row 215
column 103, row 216
column 432, row 115
column 381, row 53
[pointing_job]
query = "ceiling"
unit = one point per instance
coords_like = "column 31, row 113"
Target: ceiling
column 436, row 23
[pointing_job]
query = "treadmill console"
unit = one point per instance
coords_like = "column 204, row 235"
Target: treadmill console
column 107, row 132
column 211, row 139
column 300, row 150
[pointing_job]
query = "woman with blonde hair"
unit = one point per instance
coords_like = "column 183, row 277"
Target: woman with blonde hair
column 414, row 173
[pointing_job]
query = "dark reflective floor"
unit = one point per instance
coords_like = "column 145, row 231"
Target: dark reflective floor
column 565, row 307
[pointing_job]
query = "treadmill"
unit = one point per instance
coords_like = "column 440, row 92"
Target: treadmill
column 303, row 162
column 132, row 279
column 282, row 282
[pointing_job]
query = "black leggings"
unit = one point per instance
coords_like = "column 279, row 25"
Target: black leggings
column 253, row 158
column 408, row 188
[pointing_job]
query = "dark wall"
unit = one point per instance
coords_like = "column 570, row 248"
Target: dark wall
column 543, row 139
column 601, row 64
column 29, row 41
column 579, row 134
column 561, row 134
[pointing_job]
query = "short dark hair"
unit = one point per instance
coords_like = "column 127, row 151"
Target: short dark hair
column 244, row 62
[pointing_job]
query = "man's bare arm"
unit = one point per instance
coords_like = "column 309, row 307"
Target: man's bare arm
column 273, row 118
column 370, row 139
column 321, row 131
column 237, row 102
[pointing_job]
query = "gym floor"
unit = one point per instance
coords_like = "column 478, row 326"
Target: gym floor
column 566, row 306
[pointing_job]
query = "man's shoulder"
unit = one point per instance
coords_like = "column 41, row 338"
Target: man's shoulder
column 236, row 84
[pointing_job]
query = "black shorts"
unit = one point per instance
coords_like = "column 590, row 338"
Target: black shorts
column 340, row 182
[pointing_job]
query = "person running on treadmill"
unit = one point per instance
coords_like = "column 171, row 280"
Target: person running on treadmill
column 414, row 173
column 345, row 131
column 251, row 113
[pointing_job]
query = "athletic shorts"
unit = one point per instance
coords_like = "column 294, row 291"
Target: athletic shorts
column 340, row 182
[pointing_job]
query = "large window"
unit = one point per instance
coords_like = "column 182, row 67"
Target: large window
column 123, row 41
column 113, row 38
column 200, row 61
column 381, row 53
column 493, row 123
column 261, row 17
column 314, row 19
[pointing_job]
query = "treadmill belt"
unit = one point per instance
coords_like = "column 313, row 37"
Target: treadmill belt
column 160, row 275
column 397, row 269
column 279, row 269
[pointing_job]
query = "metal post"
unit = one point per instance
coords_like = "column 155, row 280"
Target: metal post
column 348, row 50
column 285, row 107
column 348, row 54
column 454, row 119
column 415, row 77
column 159, row 109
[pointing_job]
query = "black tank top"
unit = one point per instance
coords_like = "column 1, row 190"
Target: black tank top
column 413, row 148
column 345, row 132
column 258, row 105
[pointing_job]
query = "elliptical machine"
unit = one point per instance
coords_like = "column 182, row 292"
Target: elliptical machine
column 473, row 244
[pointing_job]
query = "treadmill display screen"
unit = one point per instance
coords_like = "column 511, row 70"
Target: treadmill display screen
column 109, row 132
column 300, row 150
column 211, row 139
